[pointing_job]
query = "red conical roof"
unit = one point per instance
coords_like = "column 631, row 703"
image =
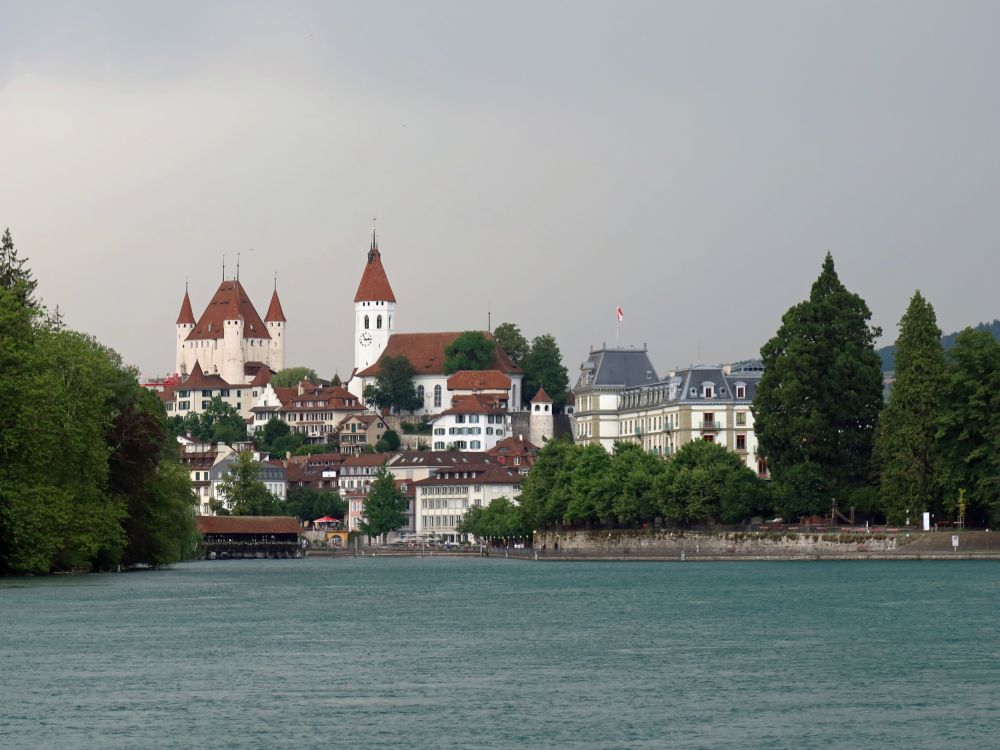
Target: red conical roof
column 274, row 311
column 541, row 397
column 186, row 314
column 374, row 286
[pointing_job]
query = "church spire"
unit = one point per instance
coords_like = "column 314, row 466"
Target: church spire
column 186, row 316
column 374, row 286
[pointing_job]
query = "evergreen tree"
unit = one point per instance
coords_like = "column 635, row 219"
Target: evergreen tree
column 818, row 401
column 543, row 368
column 14, row 273
column 291, row 376
column 509, row 337
column 385, row 505
column 969, row 427
column 906, row 448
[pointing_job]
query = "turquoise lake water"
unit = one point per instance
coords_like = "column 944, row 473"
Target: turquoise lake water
column 488, row 653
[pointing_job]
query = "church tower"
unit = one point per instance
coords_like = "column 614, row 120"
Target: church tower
column 374, row 311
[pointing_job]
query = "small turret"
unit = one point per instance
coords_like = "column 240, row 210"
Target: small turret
column 275, row 322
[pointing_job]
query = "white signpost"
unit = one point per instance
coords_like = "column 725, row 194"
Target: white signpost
column 954, row 541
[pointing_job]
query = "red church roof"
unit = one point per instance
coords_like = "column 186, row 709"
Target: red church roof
column 186, row 314
column 229, row 303
column 479, row 380
column 426, row 353
column 274, row 311
column 374, row 286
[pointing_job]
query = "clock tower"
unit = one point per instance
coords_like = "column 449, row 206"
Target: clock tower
column 374, row 311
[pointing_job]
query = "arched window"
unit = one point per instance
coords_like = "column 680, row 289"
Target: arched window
column 366, row 323
column 437, row 395
column 390, row 323
column 420, row 395
column 378, row 322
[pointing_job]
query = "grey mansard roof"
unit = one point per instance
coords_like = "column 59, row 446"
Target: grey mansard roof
column 616, row 368
column 686, row 386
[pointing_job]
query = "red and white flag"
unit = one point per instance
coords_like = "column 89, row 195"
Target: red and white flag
column 620, row 314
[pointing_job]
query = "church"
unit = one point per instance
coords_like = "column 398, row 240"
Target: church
column 375, row 338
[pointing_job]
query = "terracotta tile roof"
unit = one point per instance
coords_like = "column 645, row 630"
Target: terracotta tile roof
column 437, row 459
column 198, row 379
column 512, row 446
column 247, row 525
column 478, row 403
column 479, row 380
column 186, row 314
column 229, row 303
column 274, row 311
column 332, row 397
column 374, row 286
column 368, row 459
column 570, row 399
column 426, row 353
column 541, row 397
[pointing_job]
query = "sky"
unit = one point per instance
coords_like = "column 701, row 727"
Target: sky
column 542, row 162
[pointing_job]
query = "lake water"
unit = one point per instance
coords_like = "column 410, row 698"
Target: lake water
column 492, row 653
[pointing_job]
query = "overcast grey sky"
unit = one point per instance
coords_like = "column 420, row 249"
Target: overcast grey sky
column 692, row 162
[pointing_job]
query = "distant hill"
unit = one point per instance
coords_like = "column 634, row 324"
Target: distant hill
column 888, row 353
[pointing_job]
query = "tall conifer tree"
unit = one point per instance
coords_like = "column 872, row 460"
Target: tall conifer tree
column 818, row 401
column 906, row 447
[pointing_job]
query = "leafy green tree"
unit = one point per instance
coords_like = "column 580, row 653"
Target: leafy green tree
column 819, row 397
column 309, row 503
column 392, row 440
column 274, row 429
column 543, row 368
column 906, row 446
column 470, row 351
column 501, row 519
column 393, row 387
column 705, row 482
column 547, row 490
column 969, row 427
column 246, row 495
column 591, row 486
column 385, row 505
column 293, row 376
column 633, row 476
column 512, row 341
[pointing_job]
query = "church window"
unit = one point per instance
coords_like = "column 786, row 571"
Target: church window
column 389, row 326
column 366, row 323
column 378, row 322
column 420, row 393
column 437, row 395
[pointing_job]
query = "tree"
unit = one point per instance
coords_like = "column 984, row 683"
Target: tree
column 819, row 397
column 221, row 423
column 509, row 338
column 385, row 505
column 704, row 482
column 969, row 428
column 291, row 376
column 501, row 519
column 591, row 485
column 543, row 368
column 470, row 351
column 309, row 503
column 393, row 387
column 336, row 382
column 547, row 490
column 392, row 440
column 906, row 446
column 633, row 475
column 15, row 276
column 243, row 491
column 274, row 429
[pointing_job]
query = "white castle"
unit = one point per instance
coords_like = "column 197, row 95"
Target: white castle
column 230, row 339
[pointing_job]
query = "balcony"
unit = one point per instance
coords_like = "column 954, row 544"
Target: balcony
column 709, row 424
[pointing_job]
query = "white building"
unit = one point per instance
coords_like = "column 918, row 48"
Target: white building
column 473, row 423
column 443, row 499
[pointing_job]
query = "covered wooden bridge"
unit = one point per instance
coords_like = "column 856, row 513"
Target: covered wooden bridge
column 228, row 537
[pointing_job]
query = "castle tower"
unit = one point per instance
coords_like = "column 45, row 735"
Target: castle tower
column 275, row 322
column 185, row 324
column 542, row 420
column 374, row 311
column 232, row 339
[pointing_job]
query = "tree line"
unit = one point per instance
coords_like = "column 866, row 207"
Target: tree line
column 88, row 476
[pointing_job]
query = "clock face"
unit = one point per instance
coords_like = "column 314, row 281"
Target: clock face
column 365, row 338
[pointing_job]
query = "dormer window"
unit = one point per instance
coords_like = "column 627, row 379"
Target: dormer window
column 741, row 390
column 708, row 390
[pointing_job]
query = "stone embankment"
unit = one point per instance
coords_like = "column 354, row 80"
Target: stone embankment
column 673, row 544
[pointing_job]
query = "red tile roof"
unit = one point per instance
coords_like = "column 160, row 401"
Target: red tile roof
column 512, row 446
column 198, row 379
column 426, row 353
column 374, row 286
column 247, row 525
column 478, row 380
column 274, row 311
column 186, row 314
column 489, row 475
column 229, row 303
column 542, row 397
column 479, row 403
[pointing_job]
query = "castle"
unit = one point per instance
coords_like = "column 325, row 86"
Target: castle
column 229, row 339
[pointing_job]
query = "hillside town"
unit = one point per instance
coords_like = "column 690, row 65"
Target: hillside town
column 468, row 437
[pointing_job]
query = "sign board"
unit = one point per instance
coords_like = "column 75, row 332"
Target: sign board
column 927, row 521
column 954, row 541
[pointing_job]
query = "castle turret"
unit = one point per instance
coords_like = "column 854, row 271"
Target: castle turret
column 232, row 340
column 542, row 420
column 185, row 324
column 275, row 322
